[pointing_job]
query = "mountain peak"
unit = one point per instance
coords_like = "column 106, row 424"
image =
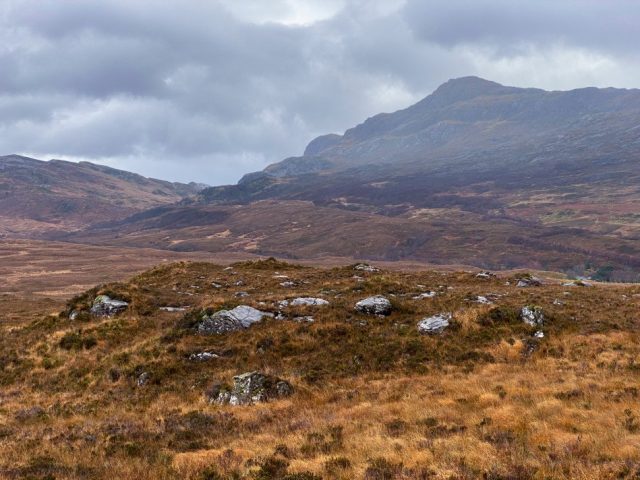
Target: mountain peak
column 466, row 88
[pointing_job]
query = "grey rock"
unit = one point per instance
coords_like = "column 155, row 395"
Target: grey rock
column 434, row 324
column 532, row 316
column 529, row 282
column 365, row 267
column 203, row 356
column 485, row 275
column 308, row 301
column 288, row 284
column 173, row 309
column 104, row 306
column 225, row 321
column 143, row 379
column 376, row 305
column 424, row 295
column 253, row 387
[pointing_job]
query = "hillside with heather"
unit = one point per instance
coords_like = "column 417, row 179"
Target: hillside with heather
column 476, row 174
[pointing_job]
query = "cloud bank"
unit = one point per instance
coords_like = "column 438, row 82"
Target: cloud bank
column 208, row 91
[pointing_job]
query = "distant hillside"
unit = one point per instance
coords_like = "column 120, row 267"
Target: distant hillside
column 38, row 196
column 476, row 173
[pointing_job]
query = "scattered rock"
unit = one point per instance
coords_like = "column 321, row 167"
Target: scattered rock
column 529, row 281
column 241, row 294
column 216, row 285
column 577, row 283
column 483, row 300
column 143, row 379
column 532, row 316
column 539, row 334
column 305, row 319
column 425, row 295
column 485, row 275
column 434, row 324
column 288, row 284
column 74, row 315
column 225, row 321
column 308, row 301
column 558, row 302
column 203, row 356
column 253, row 387
column 104, row 306
column 376, row 305
column 173, row 309
column 365, row 267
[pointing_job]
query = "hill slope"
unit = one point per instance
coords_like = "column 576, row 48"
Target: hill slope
column 133, row 395
column 476, row 173
column 38, row 196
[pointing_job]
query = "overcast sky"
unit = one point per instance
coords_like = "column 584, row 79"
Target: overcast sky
column 209, row 90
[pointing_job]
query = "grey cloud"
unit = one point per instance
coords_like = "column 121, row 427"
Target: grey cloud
column 510, row 25
column 211, row 90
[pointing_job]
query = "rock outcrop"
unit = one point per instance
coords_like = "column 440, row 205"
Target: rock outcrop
column 233, row 320
column 532, row 316
column 105, row 306
column 252, row 387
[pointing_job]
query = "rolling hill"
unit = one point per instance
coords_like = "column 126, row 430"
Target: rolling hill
column 38, row 196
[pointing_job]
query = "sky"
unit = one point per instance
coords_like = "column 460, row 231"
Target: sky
column 208, row 90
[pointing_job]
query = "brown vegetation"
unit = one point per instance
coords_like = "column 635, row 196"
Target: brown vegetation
column 373, row 398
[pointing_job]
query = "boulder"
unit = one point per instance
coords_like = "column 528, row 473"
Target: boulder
column 377, row 305
column 104, row 306
column 253, row 387
column 225, row 321
column 532, row 316
column 434, row 324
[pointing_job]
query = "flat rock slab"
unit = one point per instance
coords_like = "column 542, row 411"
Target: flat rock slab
column 233, row 320
column 434, row 324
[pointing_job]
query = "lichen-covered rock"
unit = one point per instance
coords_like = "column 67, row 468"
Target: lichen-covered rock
column 485, row 275
column 104, row 306
column 233, row 320
column 532, row 316
column 434, row 324
column 253, row 387
column 377, row 305
column 308, row 301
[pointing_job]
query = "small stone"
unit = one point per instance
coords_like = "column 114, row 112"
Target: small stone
column 365, row 267
column 288, row 284
column 424, row 295
column 529, row 281
column 485, row 275
column 143, row 378
column 203, row 356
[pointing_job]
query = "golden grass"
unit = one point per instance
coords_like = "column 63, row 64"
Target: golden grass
column 569, row 410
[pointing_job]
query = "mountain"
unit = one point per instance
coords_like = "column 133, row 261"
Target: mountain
column 476, row 173
column 42, row 196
